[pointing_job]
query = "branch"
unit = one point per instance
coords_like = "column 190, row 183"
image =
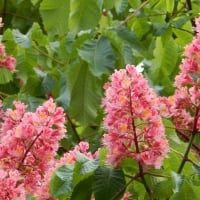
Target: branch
column 74, row 126
column 194, row 132
column 133, row 14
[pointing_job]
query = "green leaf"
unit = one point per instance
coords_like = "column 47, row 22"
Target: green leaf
column 99, row 54
column 47, row 82
column 21, row 39
column 26, row 59
column 5, row 76
column 186, row 192
column 162, row 189
column 32, row 102
column 120, row 5
column 85, row 94
column 159, row 28
column 55, row 16
column 164, row 63
column 130, row 37
column 61, row 182
column 64, row 94
column 108, row 4
column 84, row 168
column 38, row 36
column 83, row 190
column 84, row 14
column 86, row 165
column 108, row 182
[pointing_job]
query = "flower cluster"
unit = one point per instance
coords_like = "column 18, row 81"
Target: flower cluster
column 135, row 129
column 8, row 62
column 28, row 145
column 184, row 105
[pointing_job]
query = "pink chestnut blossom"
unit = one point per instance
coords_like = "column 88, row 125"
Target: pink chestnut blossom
column 8, row 62
column 132, row 119
column 28, row 145
column 184, row 109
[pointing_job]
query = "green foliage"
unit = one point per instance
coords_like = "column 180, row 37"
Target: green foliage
column 61, row 182
column 5, row 76
column 55, row 16
column 99, row 54
column 67, row 179
column 108, row 182
column 84, row 14
column 67, row 49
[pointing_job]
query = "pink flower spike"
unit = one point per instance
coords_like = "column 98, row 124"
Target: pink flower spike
column 133, row 120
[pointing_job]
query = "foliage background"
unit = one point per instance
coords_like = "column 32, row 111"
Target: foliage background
column 68, row 48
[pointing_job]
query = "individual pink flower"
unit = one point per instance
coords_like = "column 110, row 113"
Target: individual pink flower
column 126, row 196
column 135, row 128
column 2, row 50
column 9, row 62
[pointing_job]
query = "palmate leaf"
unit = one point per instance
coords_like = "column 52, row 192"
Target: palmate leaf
column 84, row 14
column 55, row 16
column 99, row 54
column 107, row 183
column 85, row 94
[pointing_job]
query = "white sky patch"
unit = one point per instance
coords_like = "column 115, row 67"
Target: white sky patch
column 139, row 67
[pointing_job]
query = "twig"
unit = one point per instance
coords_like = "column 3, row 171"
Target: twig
column 28, row 149
column 74, row 126
column 157, row 175
column 4, row 94
column 133, row 14
column 125, row 186
column 137, row 149
column 48, row 56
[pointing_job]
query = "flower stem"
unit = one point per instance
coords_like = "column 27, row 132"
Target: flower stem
column 194, row 131
column 141, row 171
column 28, row 149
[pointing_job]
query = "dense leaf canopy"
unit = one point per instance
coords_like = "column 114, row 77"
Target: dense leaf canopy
column 67, row 49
